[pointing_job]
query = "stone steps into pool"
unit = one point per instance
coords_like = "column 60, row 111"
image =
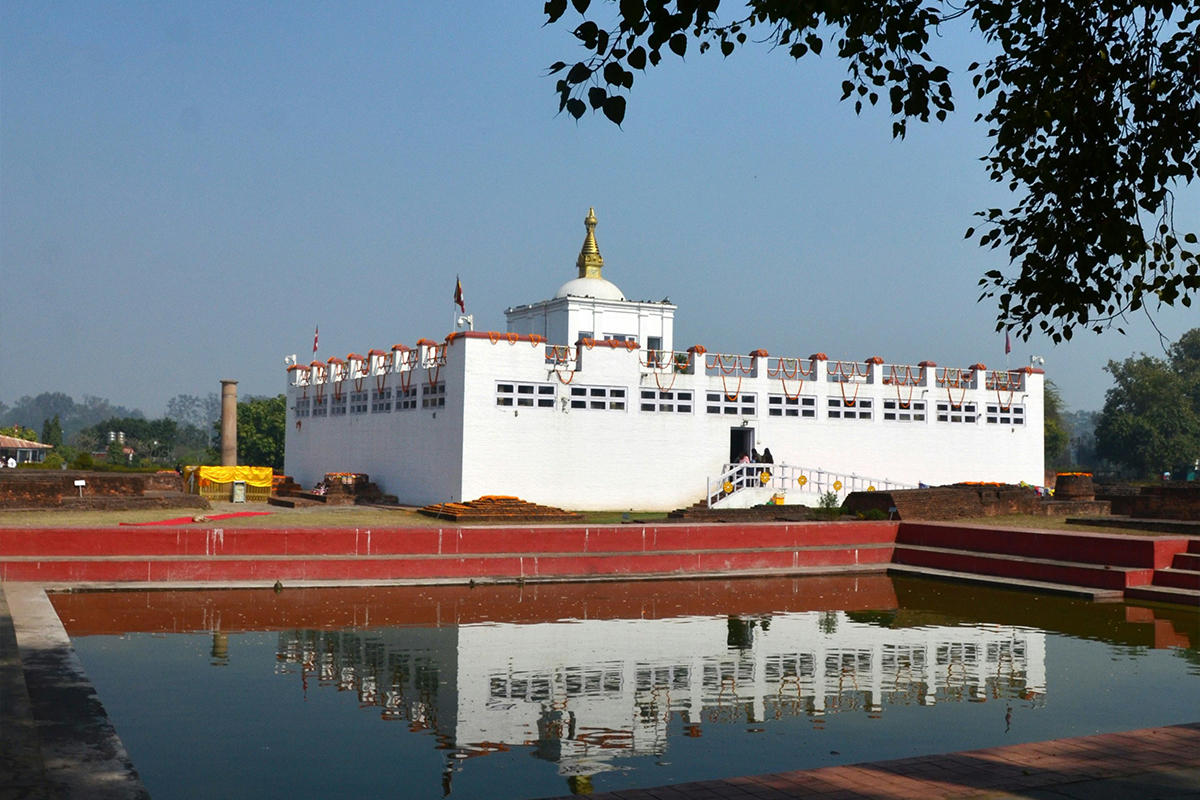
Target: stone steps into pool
column 1098, row 565
column 440, row 554
column 1143, row 552
column 1044, row 587
column 1011, row 567
column 1179, row 583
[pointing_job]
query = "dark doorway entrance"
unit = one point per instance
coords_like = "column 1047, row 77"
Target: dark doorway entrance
column 741, row 440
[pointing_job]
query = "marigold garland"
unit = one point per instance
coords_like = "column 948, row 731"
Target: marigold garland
column 851, row 401
column 725, row 388
column 668, row 387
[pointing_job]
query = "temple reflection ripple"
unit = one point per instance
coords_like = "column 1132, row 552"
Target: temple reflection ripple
column 585, row 693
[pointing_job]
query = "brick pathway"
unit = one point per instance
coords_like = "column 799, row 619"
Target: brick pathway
column 1138, row 765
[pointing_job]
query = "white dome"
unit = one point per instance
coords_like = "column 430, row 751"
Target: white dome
column 598, row 288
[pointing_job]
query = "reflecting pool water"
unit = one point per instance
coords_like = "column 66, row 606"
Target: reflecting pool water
column 535, row 691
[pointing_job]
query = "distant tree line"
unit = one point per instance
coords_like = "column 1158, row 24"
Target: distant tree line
column 1150, row 423
column 80, row 431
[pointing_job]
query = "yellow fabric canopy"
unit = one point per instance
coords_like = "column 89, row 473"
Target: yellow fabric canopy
column 253, row 476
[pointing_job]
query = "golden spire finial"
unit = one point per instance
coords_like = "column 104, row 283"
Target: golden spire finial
column 590, row 262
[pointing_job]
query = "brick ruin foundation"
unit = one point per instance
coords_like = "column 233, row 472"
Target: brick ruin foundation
column 967, row 501
column 55, row 489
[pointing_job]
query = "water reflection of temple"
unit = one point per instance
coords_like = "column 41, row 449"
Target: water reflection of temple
column 583, row 693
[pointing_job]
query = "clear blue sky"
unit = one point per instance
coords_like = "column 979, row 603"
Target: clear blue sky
column 188, row 189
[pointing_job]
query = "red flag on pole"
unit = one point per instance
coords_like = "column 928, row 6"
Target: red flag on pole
column 316, row 336
column 1007, row 343
column 458, row 295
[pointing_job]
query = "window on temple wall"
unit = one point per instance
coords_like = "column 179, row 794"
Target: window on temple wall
column 780, row 405
column 406, row 399
column 337, row 406
column 599, row 398
column 948, row 412
column 381, row 401
column 998, row 414
column 433, row 396
column 842, row 409
column 358, row 402
column 303, row 405
column 654, row 343
column 743, row 403
column 895, row 411
column 676, row 402
column 320, row 406
column 525, row 395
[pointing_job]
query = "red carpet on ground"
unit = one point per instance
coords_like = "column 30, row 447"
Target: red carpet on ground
column 188, row 520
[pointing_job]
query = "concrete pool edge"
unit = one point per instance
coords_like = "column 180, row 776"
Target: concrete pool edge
column 81, row 755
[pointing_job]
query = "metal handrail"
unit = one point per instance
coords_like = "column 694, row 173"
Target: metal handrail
column 782, row 477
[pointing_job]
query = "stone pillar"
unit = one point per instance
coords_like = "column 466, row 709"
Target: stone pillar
column 229, row 423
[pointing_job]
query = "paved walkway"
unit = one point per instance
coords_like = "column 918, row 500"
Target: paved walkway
column 56, row 741
column 1149, row 764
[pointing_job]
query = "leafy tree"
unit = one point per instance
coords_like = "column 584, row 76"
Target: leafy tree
column 261, row 424
column 52, row 433
column 1056, row 436
column 28, row 434
column 1151, row 417
column 116, row 453
column 1095, row 117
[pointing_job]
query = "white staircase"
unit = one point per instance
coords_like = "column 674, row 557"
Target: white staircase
column 747, row 485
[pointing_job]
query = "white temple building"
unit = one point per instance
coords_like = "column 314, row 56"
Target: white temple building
column 587, row 402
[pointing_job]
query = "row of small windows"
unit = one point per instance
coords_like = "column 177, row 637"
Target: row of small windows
column 722, row 403
column 964, row 413
column 379, row 402
column 850, row 409
column 779, row 405
column 598, row 398
column 668, row 402
column 433, row 396
column 614, row 398
column 525, row 395
column 900, row 411
column 1005, row 415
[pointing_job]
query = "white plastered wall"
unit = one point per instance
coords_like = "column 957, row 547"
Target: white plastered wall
column 620, row 460
column 414, row 454
column 633, row 459
column 563, row 319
